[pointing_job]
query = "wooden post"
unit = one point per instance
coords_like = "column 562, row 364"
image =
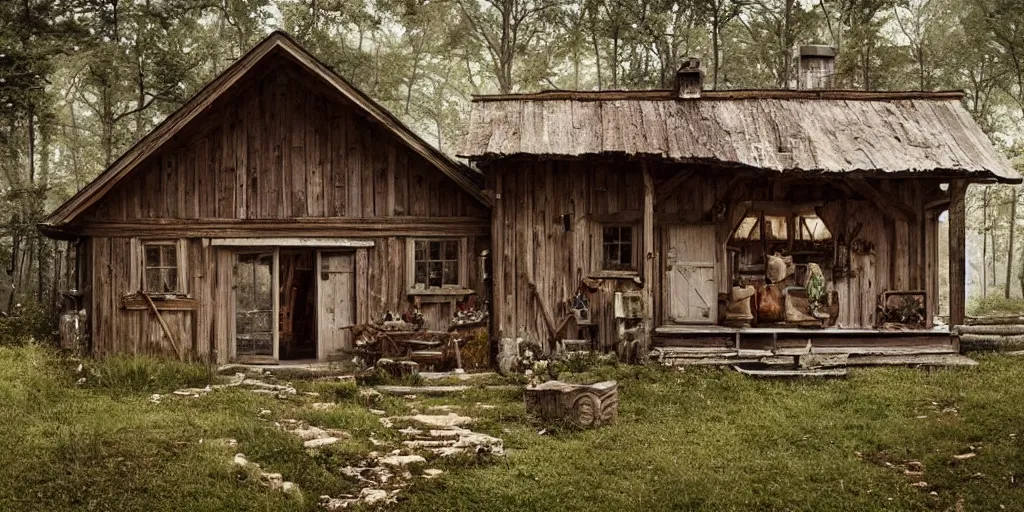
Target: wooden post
column 648, row 255
column 957, row 251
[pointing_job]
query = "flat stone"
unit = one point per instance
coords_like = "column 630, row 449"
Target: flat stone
column 401, row 460
column 378, row 412
column 432, row 473
column 308, row 433
column 410, row 431
column 431, row 420
column 965, row 456
column 322, row 406
column 320, row 442
column 240, row 460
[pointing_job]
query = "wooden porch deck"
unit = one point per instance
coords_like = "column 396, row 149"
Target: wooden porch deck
column 716, row 345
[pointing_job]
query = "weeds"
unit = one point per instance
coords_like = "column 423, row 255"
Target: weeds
column 144, row 374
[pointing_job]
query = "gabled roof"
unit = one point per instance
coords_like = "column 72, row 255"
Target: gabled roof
column 859, row 132
column 276, row 42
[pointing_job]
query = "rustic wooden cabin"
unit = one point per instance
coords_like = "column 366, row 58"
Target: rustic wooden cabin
column 724, row 221
column 278, row 207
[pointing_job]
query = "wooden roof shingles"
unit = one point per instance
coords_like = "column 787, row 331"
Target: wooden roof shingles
column 783, row 131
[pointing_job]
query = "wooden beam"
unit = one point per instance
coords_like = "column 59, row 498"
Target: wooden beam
column 290, row 242
column 892, row 207
column 648, row 258
column 669, row 186
column 293, row 228
column 957, row 252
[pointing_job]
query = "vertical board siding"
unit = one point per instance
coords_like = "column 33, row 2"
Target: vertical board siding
column 531, row 244
column 280, row 150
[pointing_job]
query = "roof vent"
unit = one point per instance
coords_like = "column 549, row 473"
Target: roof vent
column 817, row 67
column 689, row 79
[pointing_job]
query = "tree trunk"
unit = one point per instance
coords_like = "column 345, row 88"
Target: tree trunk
column 984, row 243
column 1009, row 245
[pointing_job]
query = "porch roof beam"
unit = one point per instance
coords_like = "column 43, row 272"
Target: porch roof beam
column 290, row 242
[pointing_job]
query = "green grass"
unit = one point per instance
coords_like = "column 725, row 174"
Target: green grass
column 714, row 440
column 995, row 305
column 700, row 439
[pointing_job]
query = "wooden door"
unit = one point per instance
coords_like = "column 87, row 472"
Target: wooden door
column 255, row 301
column 690, row 293
column 336, row 302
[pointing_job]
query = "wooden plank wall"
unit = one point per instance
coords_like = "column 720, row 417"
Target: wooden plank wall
column 530, row 243
column 116, row 330
column 277, row 148
column 282, row 150
column 381, row 287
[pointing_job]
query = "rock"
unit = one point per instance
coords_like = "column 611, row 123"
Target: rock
column 965, row 456
column 374, row 496
column 401, row 460
column 310, row 432
column 432, row 473
column 915, row 466
column 274, row 481
column 320, row 442
column 410, row 431
column 240, row 460
column 447, row 420
column 370, row 396
column 155, row 398
column 292, row 489
column 920, row 485
column 322, row 406
column 264, row 412
column 378, row 412
column 264, row 387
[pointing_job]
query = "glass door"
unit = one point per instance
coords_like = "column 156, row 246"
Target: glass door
column 256, row 305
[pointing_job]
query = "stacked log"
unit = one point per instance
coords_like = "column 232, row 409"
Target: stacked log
column 990, row 337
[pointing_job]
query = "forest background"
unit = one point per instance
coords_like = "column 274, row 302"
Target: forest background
column 82, row 80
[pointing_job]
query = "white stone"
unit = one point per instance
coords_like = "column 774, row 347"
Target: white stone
column 322, row 406
column 310, row 432
column 432, row 473
column 378, row 412
column 240, row 460
column 447, row 420
column 400, row 460
column 320, row 442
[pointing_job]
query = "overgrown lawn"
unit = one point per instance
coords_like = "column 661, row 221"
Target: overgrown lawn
column 700, row 439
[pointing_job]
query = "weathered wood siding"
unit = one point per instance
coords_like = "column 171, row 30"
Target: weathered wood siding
column 278, row 158
column 531, row 244
column 281, row 150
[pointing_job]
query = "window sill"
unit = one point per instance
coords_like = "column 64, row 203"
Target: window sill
column 440, row 292
column 615, row 274
column 163, row 302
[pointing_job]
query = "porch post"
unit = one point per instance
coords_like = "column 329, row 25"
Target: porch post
column 648, row 256
column 957, row 252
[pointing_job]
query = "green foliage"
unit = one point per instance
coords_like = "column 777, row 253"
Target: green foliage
column 33, row 322
column 995, row 305
column 143, row 374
